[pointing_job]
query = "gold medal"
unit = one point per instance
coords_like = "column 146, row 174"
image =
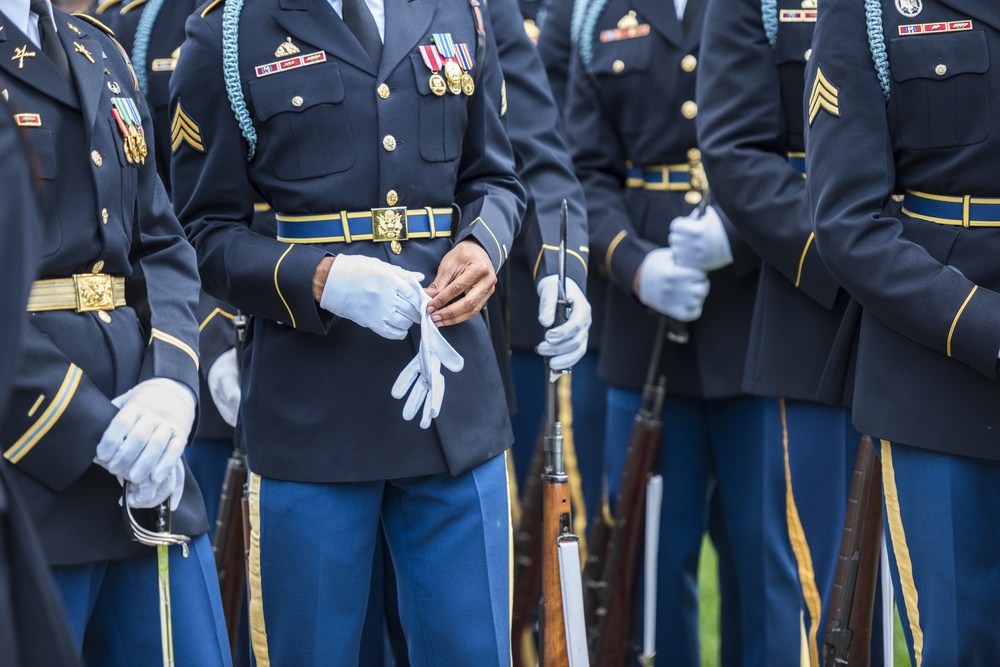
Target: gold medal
column 438, row 86
column 453, row 73
column 468, row 85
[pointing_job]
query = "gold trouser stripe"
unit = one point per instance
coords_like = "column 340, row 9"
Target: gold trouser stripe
column 800, row 547
column 611, row 250
column 281, row 296
column 48, row 418
column 510, row 560
column 513, row 491
column 565, row 395
column 954, row 323
column 258, row 633
column 802, row 259
column 901, row 551
column 169, row 339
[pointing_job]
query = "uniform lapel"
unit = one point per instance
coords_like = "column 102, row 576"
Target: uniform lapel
column 89, row 76
column 406, row 23
column 661, row 15
column 315, row 22
column 37, row 70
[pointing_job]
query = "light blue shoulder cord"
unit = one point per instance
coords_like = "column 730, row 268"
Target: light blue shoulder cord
column 231, row 73
column 140, row 47
column 769, row 13
column 876, row 42
column 585, row 38
column 579, row 12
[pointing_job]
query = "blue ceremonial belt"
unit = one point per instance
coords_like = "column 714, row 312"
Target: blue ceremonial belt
column 964, row 211
column 660, row 177
column 798, row 162
column 377, row 224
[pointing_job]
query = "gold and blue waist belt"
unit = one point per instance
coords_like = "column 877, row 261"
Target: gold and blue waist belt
column 84, row 292
column 964, row 211
column 798, row 162
column 379, row 225
column 688, row 177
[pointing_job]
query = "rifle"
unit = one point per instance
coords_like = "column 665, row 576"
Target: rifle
column 562, row 629
column 231, row 541
column 611, row 619
column 848, row 628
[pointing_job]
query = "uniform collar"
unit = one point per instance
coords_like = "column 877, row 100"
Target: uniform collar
column 18, row 12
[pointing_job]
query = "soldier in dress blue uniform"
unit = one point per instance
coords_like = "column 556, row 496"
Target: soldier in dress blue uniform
column 33, row 628
column 632, row 122
column 345, row 125
column 901, row 98
column 107, row 384
column 751, row 136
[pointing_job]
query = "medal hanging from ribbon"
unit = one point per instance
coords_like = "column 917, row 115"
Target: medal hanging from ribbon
column 434, row 63
column 126, row 115
column 466, row 61
column 452, row 70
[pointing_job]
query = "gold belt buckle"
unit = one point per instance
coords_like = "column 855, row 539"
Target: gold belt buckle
column 698, row 179
column 94, row 291
column 389, row 224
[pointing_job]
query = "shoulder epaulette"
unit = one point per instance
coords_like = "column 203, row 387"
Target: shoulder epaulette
column 132, row 5
column 212, row 5
column 105, row 6
column 91, row 20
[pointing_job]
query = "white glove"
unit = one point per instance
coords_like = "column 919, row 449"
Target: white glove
column 423, row 373
column 700, row 241
column 224, row 385
column 566, row 343
column 147, row 493
column 375, row 294
column 677, row 291
column 148, row 435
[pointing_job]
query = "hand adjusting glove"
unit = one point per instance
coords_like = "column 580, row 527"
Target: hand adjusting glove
column 145, row 441
column 700, row 241
column 566, row 343
column 423, row 373
column 375, row 294
column 676, row 291
column 224, row 385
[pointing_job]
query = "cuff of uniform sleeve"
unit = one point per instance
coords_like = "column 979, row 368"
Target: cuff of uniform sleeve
column 489, row 239
column 624, row 256
column 975, row 335
column 217, row 335
column 168, row 356
column 547, row 264
column 293, row 281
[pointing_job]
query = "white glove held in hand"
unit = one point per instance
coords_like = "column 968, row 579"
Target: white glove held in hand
column 677, row 291
column 567, row 343
column 423, row 373
column 224, row 385
column 700, row 242
column 148, row 435
column 375, row 294
column 147, row 493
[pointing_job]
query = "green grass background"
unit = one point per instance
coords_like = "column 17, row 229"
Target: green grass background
column 708, row 586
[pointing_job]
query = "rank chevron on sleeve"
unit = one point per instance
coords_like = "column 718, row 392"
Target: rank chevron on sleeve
column 824, row 95
column 184, row 129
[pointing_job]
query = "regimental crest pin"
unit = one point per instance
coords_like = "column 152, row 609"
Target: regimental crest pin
column 286, row 48
column 909, row 8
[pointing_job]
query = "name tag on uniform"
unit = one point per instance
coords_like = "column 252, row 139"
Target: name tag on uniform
column 28, row 119
column 290, row 63
column 797, row 16
column 928, row 28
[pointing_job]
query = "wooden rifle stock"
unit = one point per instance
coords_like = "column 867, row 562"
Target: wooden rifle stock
column 848, row 628
column 555, row 523
column 612, row 620
column 228, row 545
column 527, row 565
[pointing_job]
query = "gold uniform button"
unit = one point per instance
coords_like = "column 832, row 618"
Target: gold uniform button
column 297, row 101
column 808, row 54
column 389, row 142
column 694, row 154
column 96, row 157
column 104, row 216
column 689, row 110
column 391, row 197
column 383, row 91
column 617, row 66
column 941, row 69
column 692, row 196
column 98, row 267
column 688, row 63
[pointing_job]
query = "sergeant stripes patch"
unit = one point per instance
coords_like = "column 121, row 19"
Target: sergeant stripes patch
column 824, row 95
column 184, row 129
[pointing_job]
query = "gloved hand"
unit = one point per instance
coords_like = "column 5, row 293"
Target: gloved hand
column 676, row 291
column 423, row 373
column 147, row 493
column 224, row 385
column 148, row 435
column 375, row 294
column 567, row 343
column 700, row 242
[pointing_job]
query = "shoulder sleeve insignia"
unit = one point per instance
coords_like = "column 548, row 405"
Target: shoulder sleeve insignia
column 105, row 6
column 94, row 22
column 184, row 129
column 824, row 95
